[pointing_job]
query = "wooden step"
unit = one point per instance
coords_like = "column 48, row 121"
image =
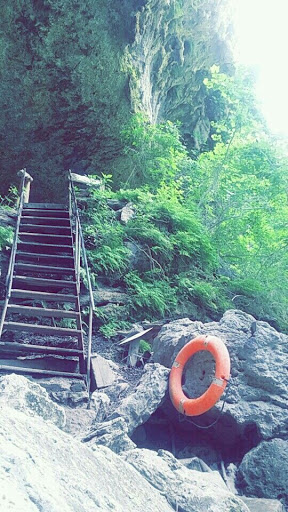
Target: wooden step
column 43, row 206
column 31, row 282
column 43, row 269
column 12, row 347
column 59, row 214
column 48, row 221
column 35, row 247
column 45, row 238
column 54, row 258
column 42, row 329
column 33, row 311
column 38, row 371
column 42, row 296
column 42, row 229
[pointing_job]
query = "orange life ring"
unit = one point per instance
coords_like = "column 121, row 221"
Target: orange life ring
column 197, row 406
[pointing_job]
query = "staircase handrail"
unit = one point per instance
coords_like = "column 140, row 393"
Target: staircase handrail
column 80, row 246
column 25, row 178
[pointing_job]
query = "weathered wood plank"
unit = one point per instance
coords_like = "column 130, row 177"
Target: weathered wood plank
column 103, row 374
column 33, row 311
column 135, row 336
column 13, row 347
column 41, row 329
column 39, row 371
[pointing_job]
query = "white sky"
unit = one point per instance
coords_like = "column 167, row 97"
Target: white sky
column 262, row 34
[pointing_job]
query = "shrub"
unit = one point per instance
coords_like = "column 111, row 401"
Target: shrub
column 6, row 236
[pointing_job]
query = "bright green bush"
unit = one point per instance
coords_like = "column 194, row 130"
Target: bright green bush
column 6, row 237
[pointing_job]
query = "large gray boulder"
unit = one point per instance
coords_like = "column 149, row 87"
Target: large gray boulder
column 185, row 489
column 263, row 471
column 259, row 362
column 29, row 397
column 150, row 392
column 43, row 468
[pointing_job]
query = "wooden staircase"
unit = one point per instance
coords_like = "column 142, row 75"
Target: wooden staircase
column 41, row 322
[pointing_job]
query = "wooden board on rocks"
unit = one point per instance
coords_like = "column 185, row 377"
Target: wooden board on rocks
column 104, row 375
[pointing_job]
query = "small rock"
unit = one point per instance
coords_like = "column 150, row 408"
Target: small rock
column 202, row 450
column 231, row 472
column 115, row 204
column 70, row 398
column 113, row 434
column 58, row 384
column 85, row 181
column 196, row 464
column 117, row 391
column 127, row 213
column 105, row 295
column 100, row 402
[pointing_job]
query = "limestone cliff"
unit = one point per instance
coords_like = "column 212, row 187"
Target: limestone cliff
column 176, row 42
column 72, row 72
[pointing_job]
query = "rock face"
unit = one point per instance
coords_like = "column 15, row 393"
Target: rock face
column 102, row 58
column 184, row 488
column 148, row 396
column 128, row 412
column 263, row 471
column 42, row 468
column 258, row 398
column 171, row 39
column 24, row 395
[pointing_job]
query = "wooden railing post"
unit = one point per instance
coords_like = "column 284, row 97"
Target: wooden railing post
column 26, row 181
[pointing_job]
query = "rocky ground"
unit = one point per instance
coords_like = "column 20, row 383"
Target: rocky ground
column 131, row 431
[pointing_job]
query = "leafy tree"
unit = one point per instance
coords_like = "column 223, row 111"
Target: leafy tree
column 155, row 152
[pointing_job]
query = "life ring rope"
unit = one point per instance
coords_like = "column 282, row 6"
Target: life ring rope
column 202, row 404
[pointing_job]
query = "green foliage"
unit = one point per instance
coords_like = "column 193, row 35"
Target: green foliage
column 233, row 102
column 113, row 319
column 154, row 151
column 144, row 346
column 6, row 237
column 111, row 327
column 209, row 234
column 149, row 297
column 108, row 259
column 9, row 201
column 104, row 238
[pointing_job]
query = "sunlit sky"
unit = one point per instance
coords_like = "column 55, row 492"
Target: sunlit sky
column 262, row 42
